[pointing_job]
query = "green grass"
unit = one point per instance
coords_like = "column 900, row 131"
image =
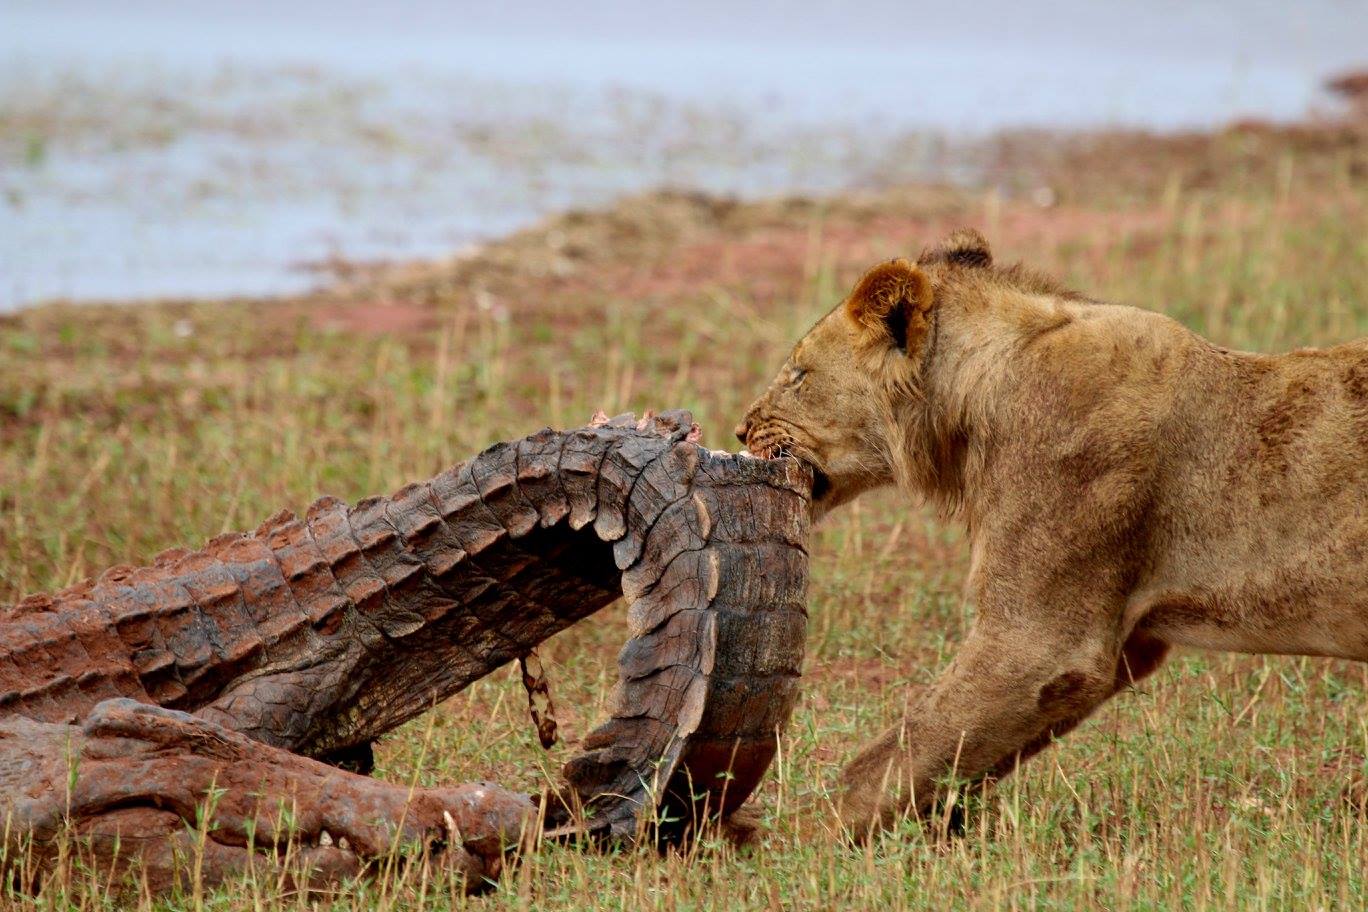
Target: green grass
column 1225, row 782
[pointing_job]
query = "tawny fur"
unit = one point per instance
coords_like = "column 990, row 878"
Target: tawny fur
column 1126, row 486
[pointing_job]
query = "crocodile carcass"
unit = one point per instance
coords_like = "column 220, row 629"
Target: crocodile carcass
column 260, row 669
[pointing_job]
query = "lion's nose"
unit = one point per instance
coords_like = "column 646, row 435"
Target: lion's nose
column 743, row 430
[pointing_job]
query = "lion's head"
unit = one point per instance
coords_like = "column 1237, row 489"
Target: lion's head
column 846, row 398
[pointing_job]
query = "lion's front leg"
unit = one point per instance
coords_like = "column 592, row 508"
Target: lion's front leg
column 1010, row 689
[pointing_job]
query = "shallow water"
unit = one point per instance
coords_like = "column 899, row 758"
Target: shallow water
column 152, row 149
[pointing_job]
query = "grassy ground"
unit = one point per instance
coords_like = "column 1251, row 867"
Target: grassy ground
column 1227, row 782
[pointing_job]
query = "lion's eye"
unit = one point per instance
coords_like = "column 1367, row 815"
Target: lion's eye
column 796, row 376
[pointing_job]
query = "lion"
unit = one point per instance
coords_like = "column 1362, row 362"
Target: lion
column 1126, row 487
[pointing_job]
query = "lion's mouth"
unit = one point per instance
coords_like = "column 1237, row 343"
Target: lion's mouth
column 783, row 448
column 787, row 449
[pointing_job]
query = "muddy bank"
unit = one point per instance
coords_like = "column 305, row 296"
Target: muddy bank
column 1045, row 192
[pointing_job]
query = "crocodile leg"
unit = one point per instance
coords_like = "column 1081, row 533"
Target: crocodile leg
column 131, row 782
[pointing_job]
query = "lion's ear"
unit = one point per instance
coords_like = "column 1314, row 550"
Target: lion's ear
column 965, row 247
column 891, row 304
